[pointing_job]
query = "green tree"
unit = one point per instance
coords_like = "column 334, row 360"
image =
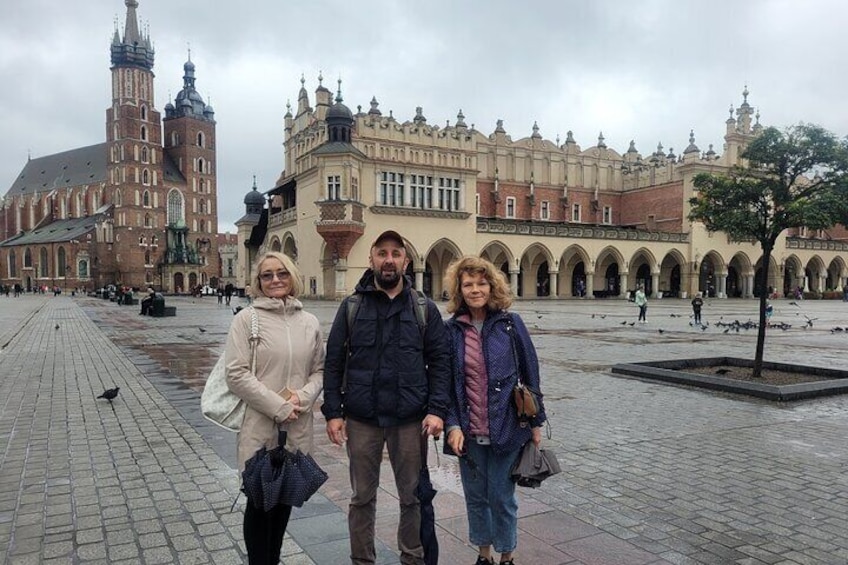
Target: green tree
column 789, row 179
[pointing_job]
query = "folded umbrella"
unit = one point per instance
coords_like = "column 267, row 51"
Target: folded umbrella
column 534, row 465
column 272, row 477
column 425, row 493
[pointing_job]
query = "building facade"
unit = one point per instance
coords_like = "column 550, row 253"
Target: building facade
column 139, row 209
column 558, row 219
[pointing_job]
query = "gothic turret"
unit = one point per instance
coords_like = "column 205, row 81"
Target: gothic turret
column 135, row 49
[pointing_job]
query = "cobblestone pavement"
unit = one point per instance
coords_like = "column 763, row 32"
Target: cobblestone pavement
column 653, row 473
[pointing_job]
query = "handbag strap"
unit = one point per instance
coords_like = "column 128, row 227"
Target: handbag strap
column 510, row 328
column 254, row 338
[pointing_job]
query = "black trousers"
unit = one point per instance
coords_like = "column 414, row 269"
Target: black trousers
column 263, row 533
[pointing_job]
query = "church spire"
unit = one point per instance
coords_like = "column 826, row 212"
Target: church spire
column 135, row 49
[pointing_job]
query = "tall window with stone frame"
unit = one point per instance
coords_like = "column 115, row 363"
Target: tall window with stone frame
column 421, row 188
column 334, row 187
column 510, row 206
column 575, row 213
column 607, row 214
column 391, row 189
column 545, row 210
column 448, row 194
column 13, row 268
column 175, row 207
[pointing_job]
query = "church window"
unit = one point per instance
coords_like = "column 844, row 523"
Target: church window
column 544, row 210
column 202, row 226
column 43, row 264
column 147, row 220
column 201, row 141
column 60, row 262
column 118, row 198
column 13, row 268
column 144, row 133
column 82, row 269
column 145, row 155
column 27, row 258
column 175, row 207
column 145, row 198
column 575, row 213
column 200, row 165
column 145, row 178
column 202, row 206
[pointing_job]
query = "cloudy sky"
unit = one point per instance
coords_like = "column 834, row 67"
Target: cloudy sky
column 647, row 70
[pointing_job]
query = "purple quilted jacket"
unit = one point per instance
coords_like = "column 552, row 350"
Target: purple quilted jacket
column 505, row 432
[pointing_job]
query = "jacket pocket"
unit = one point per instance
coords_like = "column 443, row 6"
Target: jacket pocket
column 412, row 393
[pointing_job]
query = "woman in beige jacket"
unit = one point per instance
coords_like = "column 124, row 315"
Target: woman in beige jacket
column 289, row 374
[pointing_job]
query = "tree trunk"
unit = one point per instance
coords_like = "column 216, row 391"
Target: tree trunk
column 761, row 331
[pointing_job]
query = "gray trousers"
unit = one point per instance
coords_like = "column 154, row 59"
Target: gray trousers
column 365, row 451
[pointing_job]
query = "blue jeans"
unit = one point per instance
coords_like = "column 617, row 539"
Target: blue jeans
column 490, row 497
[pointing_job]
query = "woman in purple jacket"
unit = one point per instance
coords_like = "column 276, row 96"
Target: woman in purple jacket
column 482, row 423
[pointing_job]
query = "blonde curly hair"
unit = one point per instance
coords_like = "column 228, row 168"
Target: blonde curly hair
column 500, row 297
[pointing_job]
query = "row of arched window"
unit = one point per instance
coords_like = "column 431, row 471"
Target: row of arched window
column 42, row 268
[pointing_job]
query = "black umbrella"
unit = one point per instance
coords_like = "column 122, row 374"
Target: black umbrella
column 277, row 476
column 534, row 465
column 425, row 493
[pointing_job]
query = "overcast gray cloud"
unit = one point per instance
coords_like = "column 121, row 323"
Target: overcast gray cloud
column 645, row 70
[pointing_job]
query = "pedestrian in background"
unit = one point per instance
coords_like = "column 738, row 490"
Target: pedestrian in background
column 490, row 347
column 642, row 303
column 697, row 303
column 285, row 383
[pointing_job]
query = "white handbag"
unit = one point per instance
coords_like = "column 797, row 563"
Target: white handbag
column 217, row 402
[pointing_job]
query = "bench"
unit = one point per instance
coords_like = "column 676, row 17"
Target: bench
column 170, row 311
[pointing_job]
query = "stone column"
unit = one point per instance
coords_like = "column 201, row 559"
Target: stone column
column 340, row 270
column 590, row 285
column 554, row 280
column 622, row 290
column 749, row 286
column 513, row 282
column 722, row 285
column 655, row 285
column 419, row 279
column 806, row 285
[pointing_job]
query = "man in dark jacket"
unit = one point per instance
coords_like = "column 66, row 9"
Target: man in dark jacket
column 396, row 388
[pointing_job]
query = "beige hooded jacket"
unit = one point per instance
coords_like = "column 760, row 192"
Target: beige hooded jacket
column 290, row 354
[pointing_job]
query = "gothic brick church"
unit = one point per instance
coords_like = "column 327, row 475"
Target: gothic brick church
column 139, row 209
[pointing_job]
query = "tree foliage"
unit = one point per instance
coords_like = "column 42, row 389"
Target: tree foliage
column 792, row 179
column 789, row 179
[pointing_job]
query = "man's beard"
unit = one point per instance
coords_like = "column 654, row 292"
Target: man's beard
column 388, row 279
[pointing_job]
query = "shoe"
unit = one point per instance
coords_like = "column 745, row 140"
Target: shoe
column 483, row 561
column 510, row 562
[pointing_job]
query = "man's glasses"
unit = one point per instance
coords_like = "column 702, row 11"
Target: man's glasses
column 268, row 277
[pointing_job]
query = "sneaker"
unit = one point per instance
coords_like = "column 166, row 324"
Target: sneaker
column 510, row 562
column 483, row 561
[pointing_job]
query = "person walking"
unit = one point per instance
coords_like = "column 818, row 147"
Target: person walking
column 228, row 292
column 697, row 303
column 490, row 347
column 288, row 371
column 386, row 383
column 642, row 302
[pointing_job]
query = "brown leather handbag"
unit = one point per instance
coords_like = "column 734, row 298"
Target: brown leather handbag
column 526, row 400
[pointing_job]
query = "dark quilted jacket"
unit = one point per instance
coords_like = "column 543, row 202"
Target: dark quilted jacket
column 395, row 375
column 505, row 432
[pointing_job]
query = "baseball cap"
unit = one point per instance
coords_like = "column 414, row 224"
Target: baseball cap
column 389, row 235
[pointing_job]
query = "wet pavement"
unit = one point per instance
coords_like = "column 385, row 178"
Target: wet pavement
column 652, row 473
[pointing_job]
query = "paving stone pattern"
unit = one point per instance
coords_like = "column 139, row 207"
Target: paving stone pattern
column 653, row 473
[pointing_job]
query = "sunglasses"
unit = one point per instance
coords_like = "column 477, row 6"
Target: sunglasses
column 268, row 277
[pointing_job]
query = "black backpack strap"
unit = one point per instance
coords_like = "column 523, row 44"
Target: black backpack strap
column 351, row 304
column 419, row 303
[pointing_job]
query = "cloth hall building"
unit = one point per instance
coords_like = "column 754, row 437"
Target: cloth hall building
column 138, row 209
column 560, row 220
